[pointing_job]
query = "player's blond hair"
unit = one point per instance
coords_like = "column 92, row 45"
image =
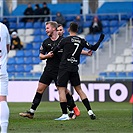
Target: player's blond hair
column 52, row 23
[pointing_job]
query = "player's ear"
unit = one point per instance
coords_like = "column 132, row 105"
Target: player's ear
column 68, row 29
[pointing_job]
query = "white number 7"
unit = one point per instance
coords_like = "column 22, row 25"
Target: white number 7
column 77, row 45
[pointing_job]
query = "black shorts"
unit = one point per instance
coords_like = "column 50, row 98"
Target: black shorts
column 47, row 77
column 65, row 76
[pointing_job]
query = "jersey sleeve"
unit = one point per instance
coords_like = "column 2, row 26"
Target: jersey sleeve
column 95, row 46
column 8, row 40
column 43, row 48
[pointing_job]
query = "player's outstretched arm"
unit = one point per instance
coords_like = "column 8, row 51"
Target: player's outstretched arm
column 85, row 52
column 95, row 47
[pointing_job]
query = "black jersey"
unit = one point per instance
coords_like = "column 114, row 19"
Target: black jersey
column 52, row 64
column 72, row 47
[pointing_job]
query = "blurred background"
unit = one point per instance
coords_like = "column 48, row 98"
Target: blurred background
column 113, row 60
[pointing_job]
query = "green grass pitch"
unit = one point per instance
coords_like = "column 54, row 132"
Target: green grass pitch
column 111, row 118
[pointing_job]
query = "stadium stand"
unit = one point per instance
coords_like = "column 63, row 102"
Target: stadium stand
column 33, row 34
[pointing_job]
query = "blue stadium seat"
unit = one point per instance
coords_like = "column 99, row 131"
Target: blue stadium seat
column 69, row 18
column 121, row 74
column 37, row 32
column 103, row 74
column 89, row 38
column 28, row 60
column 67, row 24
column 28, row 53
column 113, row 17
column 11, row 75
column 35, row 53
column 130, row 75
column 37, row 25
column 103, row 17
column 19, row 75
column 122, row 23
column 20, row 25
column 112, row 74
column 28, row 74
column 11, row 68
column 66, row 32
column 105, row 23
column 106, row 30
column 19, row 68
column 43, row 32
column 37, row 39
column 43, row 25
column 125, row 16
column 36, row 60
column 83, row 59
column 28, row 68
column 107, row 38
column 19, row 60
column 114, row 30
column 12, row 19
column 11, row 61
column 37, row 75
column 87, row 24
column 29, row 25
column 114, row 23
column 28, row 46
column 13, row 25
column 96, row 37
column 89, row 18
column 36, row 46
column 19, row 53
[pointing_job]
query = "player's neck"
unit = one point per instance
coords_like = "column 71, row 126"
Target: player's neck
column 73, row 34
column 54, row 37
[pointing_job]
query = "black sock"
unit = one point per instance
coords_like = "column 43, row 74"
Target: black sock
column 63, row 106
column 86, row 103
column 70, row 102
column 36, row 101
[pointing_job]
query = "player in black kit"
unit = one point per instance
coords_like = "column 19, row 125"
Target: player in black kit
column 68, row 68
column 50, row 71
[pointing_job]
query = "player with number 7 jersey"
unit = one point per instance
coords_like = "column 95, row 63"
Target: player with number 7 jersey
column 68, row 68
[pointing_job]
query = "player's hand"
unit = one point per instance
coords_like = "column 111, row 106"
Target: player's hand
column 90, row 53
column 101, row 37
column 50, row 54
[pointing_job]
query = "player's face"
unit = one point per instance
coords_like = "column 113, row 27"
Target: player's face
column 60, row 31
column 49, row 29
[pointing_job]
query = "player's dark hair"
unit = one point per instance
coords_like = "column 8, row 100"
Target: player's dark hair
column 73, row 27
column 60, row 25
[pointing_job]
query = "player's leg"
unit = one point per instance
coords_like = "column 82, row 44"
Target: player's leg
column 63, row 104
column 44, row 82
column 4, row 116
column 4, row 109
column 70, row 101
column 75, row 81
column 74, row 110
column 62, row 84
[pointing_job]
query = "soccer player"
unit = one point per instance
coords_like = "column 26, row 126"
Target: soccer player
column 61, row 31
column 4, row 49
column 50, row 71
column 68, row 68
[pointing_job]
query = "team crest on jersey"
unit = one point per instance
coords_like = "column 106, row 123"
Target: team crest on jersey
column 49, row 44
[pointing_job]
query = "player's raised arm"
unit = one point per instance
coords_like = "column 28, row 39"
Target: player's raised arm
column 95, row 47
